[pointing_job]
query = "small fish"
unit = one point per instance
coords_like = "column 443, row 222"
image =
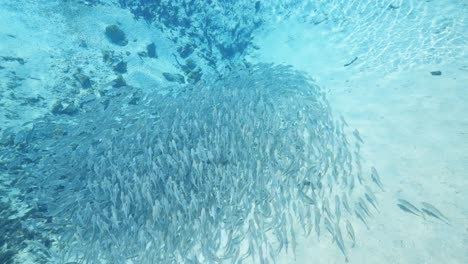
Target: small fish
column 306, row 198
column 343, row 120
column 329, row 227
column 360, row 215
column 317, row 221
column 326, row 207
column 344, row 199
column 337, row 208
column 430, row 210
column 364, row 207
column 350, row 230
column 357, row 136
column 375, row 178
column 371, row 197
column 408, row 207
column 340, row 242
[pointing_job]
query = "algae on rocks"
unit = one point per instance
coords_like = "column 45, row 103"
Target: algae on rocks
column 116, row 35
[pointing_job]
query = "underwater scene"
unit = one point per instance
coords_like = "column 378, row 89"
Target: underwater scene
column 223, row 131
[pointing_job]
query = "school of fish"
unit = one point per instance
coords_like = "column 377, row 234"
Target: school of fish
column 227, row 171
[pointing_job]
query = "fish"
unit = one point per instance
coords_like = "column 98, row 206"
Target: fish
column 306, row 198
column 317, row 221
column 371, row 197
column 360, row 215
column 350, row 230
column 326, row 207
column 430, row 210
column 344, row 199
column 337, row 208
column 408, row 207
column 340, row 242
column 329, row 227
column 357, row 136
column 375, row 178
column 364, row 207
column 187, row 171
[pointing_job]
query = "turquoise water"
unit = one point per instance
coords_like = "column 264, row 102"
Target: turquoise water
column 233, row 131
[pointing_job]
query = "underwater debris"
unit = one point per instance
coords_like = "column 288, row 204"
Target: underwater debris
column 181, row 176
column 436, row 73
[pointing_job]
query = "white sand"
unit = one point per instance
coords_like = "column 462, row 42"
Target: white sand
column 415, row 128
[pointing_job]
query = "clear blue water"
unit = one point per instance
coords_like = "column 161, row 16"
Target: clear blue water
column 189, row 131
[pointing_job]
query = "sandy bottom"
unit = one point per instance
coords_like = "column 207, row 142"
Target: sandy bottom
column 415, row 129
column 414, row 125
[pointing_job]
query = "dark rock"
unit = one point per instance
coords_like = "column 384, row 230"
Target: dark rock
column 120, row 67
column 151, row 51
column 83, row 44
column 436, row 73
column 189, row 66
column 174, row 77
column 119, row 82
column 10, row 58
column 227, row 51
column 186, row 50
column 257, row 7
column 116, row 35
column 59, row 109
column 87, row 99
column 143, row 54
column 107, row 56
column 136, row 97
column 83, row 79
column 194, row 76
column 70, row 109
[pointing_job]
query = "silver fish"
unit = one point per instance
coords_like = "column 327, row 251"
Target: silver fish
column 340, row 242
column 375, row 178
column 337, row 208
column 357, row 136
column 371, row 197
column 317, row 221
column 359, row 213
column 430, row 210
column 408, row 207
column 350, row 230
column 344, row 199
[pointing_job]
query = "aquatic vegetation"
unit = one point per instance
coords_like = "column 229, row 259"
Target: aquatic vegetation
column 194, row 175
